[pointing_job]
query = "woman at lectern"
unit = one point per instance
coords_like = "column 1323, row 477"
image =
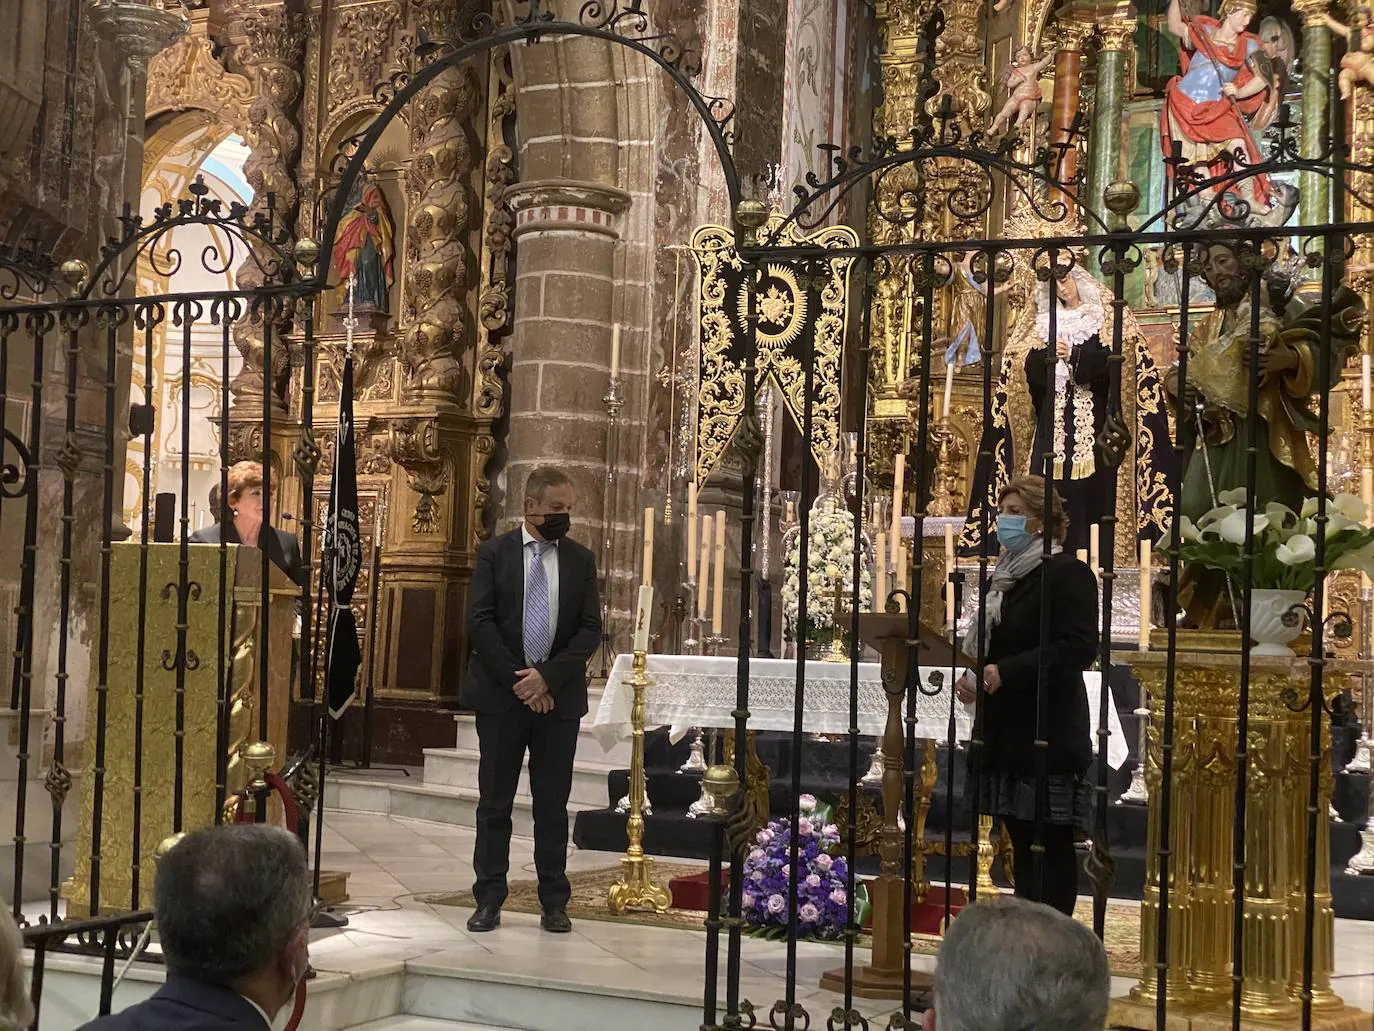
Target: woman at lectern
column 241, row 522
column 1032, row 687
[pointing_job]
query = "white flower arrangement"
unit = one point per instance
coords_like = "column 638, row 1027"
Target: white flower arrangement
column 830, row 565
column 1285, row 549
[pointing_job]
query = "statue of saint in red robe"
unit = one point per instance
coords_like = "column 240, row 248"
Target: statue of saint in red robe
column 364, row 248
column 1227, row 92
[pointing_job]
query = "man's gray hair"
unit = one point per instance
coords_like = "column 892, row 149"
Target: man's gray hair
column 544, row 477
column 1011, row 965
column 228, row 899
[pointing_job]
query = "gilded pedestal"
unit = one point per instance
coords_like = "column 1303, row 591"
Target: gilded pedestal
column 1202, row 821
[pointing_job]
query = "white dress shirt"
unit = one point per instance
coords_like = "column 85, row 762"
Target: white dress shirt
column 266, row 1020
column 550, row 574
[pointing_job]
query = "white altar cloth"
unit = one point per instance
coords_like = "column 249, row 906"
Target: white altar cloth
column 698, row 691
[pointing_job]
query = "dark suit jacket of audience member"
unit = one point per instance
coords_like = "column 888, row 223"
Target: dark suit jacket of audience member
column 1017, row 649
column 282, row 548
column 185, row 1005
column 496, row 627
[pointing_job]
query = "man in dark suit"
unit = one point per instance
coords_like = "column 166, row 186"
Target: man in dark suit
column 232, row 905
column 534, row 621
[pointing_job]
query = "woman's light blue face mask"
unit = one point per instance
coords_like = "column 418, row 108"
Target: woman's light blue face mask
column 1011, row 531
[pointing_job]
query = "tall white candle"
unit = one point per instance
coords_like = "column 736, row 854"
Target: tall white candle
column 1093, row 543
column 615, row 351
column 648, row 546
column 1145, row 599
column 898, row 483
column 1365, row 381
column 643, row 614
column 880, row 572
column 704, row 569
column 718, row 585
column 950, row 562
column 691, row 531
column 949, row 390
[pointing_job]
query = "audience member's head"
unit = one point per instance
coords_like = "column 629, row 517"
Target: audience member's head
column 16, row 1012
column 233, row 910
column 1011, row 965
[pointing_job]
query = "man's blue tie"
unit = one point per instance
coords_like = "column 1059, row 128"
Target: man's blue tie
column 538, row 636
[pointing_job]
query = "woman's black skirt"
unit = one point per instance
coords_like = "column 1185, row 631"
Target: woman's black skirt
column 1068, row 798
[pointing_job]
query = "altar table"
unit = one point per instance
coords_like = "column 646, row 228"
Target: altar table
column 699, row 691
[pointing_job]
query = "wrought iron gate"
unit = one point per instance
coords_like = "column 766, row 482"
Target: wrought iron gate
column 63, row 466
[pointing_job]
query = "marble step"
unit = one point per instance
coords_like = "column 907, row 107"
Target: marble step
column 455, row 806
column 457, row 768
column 520, row 993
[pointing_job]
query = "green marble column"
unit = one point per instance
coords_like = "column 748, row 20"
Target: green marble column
column 1314, row 205
column 1104, row 141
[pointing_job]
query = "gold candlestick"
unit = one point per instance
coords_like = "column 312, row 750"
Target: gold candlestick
column 635, row 889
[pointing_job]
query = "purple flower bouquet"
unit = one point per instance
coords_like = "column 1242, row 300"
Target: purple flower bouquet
column 822, row 877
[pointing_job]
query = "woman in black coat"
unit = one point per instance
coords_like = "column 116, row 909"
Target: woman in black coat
column 1016, row 699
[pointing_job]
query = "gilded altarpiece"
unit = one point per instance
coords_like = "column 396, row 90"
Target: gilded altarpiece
column 299, row 87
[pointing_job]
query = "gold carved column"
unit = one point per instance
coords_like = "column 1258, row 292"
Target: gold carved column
column 271, row 51
column 437, row 438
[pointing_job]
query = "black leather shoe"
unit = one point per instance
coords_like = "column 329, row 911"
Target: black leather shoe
column 487, row 918
column 556, row 921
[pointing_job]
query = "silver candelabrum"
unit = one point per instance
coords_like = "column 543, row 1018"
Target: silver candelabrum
column 1138, row 793
column 1362, row 862
column 613, row 402
column 706, row 802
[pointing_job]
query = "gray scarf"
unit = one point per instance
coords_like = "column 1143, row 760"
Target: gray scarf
column 1011, row 567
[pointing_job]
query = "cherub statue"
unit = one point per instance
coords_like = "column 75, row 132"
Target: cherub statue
column 1358, row 63
column 1021, row 79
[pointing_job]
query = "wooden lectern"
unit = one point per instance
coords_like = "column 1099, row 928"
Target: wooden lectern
column 882, row 978
column 159, row 773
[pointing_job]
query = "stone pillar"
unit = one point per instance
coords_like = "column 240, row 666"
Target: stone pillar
column 565, row 246
column 1117, row 26
column 1068, row 92
column 1314, row 204
column 138, row 33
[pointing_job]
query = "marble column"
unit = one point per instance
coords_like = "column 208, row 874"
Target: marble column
column 1068, row 93
column 137, row 34
column 1117, row 27
column 1314, row 204
column 566, row 234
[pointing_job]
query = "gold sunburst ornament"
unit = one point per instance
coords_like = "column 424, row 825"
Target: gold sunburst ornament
column 794, row 327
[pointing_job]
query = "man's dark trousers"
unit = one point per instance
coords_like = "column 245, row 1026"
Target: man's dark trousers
column 551, row 742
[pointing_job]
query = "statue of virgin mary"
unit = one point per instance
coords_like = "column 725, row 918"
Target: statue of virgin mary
column 1052, row 400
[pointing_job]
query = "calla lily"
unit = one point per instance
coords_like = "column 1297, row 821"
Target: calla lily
column 1236, row 496
column 1350, row 507
column 1309, row 508
column 1297, row 550
column 1232, row 528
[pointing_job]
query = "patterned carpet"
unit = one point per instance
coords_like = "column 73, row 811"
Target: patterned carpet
column 1121, row 934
